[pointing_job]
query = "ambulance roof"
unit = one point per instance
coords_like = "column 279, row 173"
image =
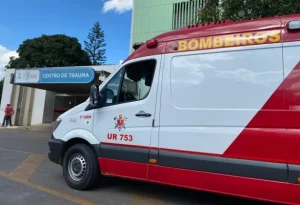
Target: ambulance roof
column 213, row 29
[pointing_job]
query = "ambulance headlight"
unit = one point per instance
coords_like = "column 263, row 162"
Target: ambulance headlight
column 56, row 123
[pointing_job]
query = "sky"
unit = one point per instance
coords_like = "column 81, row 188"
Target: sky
column 26, row 19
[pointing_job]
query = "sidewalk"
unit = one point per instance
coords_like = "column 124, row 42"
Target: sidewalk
column 39, row 128
column 34, row 128
column 9, row 127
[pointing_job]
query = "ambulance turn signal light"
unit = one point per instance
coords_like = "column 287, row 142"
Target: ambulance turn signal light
column 294, row 25
column 152, row 161
column 298, row 179
column 151, row 43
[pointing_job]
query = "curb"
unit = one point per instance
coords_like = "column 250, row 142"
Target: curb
column 8, row 127
column 43, row 129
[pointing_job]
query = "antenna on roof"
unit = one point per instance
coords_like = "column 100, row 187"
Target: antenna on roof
column 137, row 45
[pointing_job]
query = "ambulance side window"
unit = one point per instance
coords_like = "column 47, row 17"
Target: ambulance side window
column 137, row 81
column 110, row 92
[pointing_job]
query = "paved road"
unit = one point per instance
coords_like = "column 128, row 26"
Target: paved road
column 28, row 177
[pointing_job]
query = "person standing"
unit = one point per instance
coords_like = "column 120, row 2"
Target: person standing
column 9, row 111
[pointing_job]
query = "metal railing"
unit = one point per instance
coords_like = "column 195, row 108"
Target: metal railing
column 186, row 13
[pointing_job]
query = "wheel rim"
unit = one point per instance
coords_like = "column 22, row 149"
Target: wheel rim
column 77, row 167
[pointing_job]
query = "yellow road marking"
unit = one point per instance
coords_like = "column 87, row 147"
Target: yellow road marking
column 54, row 192
column 145, row 199
column 25, row 170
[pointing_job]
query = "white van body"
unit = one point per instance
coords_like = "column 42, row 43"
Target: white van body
column 208, row 119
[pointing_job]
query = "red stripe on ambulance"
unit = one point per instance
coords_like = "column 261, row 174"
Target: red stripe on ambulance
column 272, row 127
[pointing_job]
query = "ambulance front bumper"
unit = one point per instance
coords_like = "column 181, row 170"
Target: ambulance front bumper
column 55, row 150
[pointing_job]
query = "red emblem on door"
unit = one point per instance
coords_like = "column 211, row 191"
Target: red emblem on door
column 120, row 122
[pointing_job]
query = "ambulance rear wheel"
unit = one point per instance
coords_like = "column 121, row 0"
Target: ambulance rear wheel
column 80, row 167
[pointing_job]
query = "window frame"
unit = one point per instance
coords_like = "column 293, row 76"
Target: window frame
column 118, row 92
column 122, row 80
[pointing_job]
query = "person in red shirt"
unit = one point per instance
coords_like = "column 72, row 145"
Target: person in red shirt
column 9, row 111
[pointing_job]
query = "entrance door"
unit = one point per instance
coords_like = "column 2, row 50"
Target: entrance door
column 123, row 125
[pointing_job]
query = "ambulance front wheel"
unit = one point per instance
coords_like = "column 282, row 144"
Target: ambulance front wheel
column 80, row 167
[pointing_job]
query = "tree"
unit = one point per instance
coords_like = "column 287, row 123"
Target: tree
column 211, row 12
column 238, row 10
column 49, row 51
column 95, row 45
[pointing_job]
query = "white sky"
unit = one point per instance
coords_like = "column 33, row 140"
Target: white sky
column 119, row 6
column 4, row 58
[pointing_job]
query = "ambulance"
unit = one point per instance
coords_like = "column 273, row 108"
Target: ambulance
column 212, row 107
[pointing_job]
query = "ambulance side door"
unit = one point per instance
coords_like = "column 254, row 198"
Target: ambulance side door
column 124, row 124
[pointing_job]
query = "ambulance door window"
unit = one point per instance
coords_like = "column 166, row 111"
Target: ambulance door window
column 137, row 81
column 111, row 90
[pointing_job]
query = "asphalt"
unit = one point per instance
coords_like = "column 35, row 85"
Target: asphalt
column 28, row 177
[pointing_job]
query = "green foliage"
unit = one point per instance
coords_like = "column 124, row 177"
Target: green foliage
column 49, row 51
column 211, row 12
column 95, row 45
column 251, row 9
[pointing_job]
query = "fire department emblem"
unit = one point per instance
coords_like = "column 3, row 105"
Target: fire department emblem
column 120, row 122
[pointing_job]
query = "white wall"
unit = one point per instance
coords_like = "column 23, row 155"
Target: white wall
column 38, row 107
column 49, row 107
column 43, row 106
column 107, row 68
column 6, row 92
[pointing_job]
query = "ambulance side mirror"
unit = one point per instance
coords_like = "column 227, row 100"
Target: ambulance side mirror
column 94, row 96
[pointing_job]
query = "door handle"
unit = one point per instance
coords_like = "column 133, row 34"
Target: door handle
column 143, row 114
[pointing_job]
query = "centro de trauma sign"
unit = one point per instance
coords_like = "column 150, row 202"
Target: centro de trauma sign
column 82, row 75
column 65, row 75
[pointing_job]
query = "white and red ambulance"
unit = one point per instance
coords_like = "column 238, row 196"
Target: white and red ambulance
column 212, row 107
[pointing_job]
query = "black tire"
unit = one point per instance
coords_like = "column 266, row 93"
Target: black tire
column 88, row 168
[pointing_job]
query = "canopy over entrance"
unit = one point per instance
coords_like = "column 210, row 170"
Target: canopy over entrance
column 69, row 80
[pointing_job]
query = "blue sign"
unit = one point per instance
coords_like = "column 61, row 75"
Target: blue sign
column 67, row 75
column 79, row 75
